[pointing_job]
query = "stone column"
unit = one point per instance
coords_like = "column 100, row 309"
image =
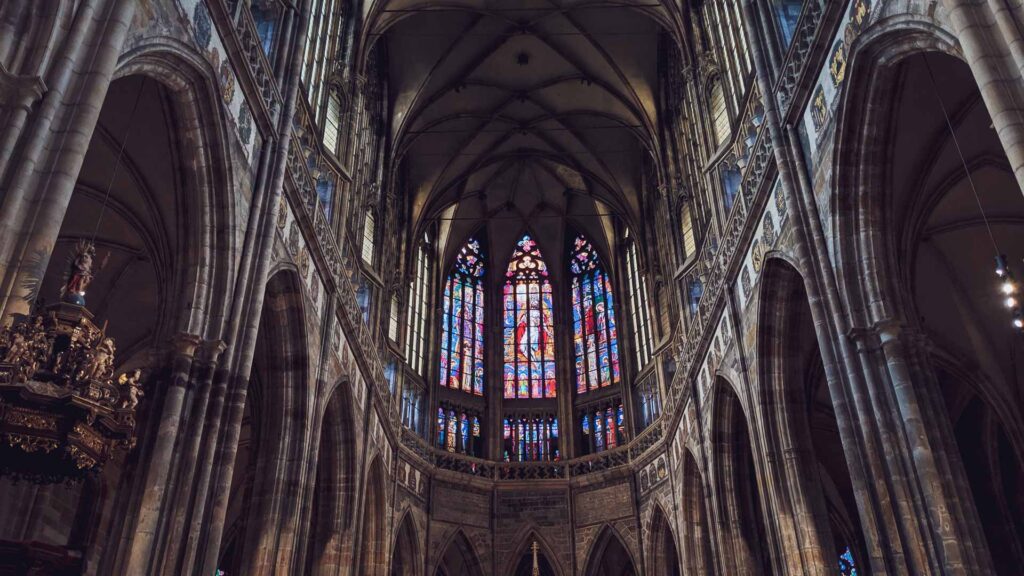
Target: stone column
column 991, row 35
column 143, row 534
column 37, row 190
column 181, row 505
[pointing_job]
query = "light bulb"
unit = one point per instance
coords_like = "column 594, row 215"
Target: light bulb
column 1018, row 322
column 1001, row 265
column 1010, row 302
column 1008, row 287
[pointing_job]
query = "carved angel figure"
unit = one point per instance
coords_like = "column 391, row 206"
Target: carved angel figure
column 100, row 363
column 131, row 389
column 16, row 348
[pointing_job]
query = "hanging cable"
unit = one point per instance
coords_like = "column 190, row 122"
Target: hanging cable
column 117, row 162
column 1008, row 285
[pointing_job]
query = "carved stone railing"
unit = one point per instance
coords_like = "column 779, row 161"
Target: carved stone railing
column 464, row 464
column 239, row 32
column 646, row 439
column 599, row 462
column 530, row 470
column 417, row 445
column 256, row 58
column 799, row 49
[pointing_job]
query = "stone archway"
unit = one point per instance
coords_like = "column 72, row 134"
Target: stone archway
column 916, row 261
column 695, row 533
column 374, row 550
column 663, row 553
column 264, row 499
column 459, row 558
column 157, row 270
column 819, row 513
column 738, row 494
column 332, row 521
column 406, row 559
column 609, row 556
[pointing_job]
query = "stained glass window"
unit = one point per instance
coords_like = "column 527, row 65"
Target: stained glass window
column 412, row 404
column 458, row 431
column 846, row 564
column 595, row 337
column 603, row 427
column 462, row 323
column 369, row 233
column 529, row 325
column 531, row 439
column 415, row 337
column 650, row 400
column 637, row 285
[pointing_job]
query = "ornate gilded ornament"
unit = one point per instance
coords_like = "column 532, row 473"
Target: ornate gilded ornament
column 63, row 412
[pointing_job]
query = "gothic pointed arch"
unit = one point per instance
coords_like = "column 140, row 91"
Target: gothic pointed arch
column 522, row 558
column 738, row 495
column 609, row 556
column 800, row 420
column 529, row 328
column 459, row 557
column 277, row 401
column 695, row 536
column 406, row 556
column 890, row 270
column 663, row 553
column 334, row 490
column 373, row 552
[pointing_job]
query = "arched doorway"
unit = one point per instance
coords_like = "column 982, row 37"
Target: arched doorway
column 459, row 558
column 801, row 422
column 664, row 558
column 259, row 509
column 739, row 496
column 333, row 514
column 373, row 555
column 610, row 557
column 696, row 528
column 405, row 556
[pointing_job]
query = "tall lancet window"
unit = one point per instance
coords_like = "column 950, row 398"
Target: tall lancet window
column 637, row 285
column 593, row 320
column 462, row 323
column 529, row 325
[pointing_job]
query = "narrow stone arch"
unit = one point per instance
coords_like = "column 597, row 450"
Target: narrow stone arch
column 279, row 401
column 610, row 556
column 663, row 551
column 815, row 505
column 334, row 492
column 373, row 549
column 528, row 535
column 695, row 536
column 458, row 557
column 738, row 498
column 406, row 557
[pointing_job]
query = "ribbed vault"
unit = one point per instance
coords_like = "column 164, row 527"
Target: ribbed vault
column 522, row 111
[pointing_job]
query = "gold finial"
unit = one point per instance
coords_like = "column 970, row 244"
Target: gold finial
column 536, row 566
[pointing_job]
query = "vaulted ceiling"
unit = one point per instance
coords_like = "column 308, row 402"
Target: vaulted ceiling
column 522, row 114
